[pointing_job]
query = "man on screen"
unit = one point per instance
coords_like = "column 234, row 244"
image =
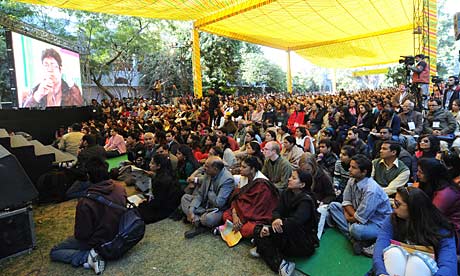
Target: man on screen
column 53, row 90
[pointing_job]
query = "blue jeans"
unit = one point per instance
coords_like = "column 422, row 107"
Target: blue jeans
column 70, row 251
column 357, row 231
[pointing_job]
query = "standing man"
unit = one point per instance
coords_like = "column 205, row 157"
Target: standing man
column 421, row 77
column 365, row 205
column 52, row 89
column 213, row 103
column 204, row 208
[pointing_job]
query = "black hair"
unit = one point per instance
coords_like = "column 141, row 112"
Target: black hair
column 97, row 170
column 218, row 151
column 76, row 127
column 188, row 155
column 349, row 150
column 394, row 146
column 326, row 142
column 290, row 139
column 436, row 175
column 253, row 162
column 273, row 134
column 307, row 178
column 224, row 141
column 90, row 139
column 364, row 164
column 165, row 164
column 425, row 221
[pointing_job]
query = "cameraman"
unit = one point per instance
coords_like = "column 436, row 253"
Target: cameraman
column 421, row 76
column 450, row 93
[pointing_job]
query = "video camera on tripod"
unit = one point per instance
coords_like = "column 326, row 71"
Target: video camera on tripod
column 407, row 60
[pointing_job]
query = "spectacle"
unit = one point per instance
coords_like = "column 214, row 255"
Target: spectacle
column 425, row 141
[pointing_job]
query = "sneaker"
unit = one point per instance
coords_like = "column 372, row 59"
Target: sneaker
column 286, row 268
column 96, row 262
column 253, row 252
column 195, row 231
column 369, row 250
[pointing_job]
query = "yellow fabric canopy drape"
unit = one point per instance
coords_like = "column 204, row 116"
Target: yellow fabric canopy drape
column 328, row 33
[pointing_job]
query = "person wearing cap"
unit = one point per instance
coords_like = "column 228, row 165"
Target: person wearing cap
column 421, row 76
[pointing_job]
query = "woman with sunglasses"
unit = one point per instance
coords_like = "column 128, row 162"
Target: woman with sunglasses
column 415, row 221
column 436, row 182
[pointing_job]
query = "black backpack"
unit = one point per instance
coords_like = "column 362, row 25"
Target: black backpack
column 130, row 230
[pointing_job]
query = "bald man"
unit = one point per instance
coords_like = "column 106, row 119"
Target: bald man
column 205, row 206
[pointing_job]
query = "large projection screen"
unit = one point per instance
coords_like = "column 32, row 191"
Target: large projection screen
column 46, row 75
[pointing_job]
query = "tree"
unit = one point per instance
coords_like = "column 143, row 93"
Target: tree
column 446, row 56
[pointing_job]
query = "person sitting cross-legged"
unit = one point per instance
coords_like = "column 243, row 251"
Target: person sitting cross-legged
column 292, row 232
column 364, row 208
column 95, row 223
column 254, row 202
column 205, row 206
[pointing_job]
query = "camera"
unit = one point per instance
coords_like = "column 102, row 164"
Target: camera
column 436, row 79
column 407, row 60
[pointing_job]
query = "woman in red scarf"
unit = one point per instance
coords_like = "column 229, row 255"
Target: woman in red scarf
column 253, row 203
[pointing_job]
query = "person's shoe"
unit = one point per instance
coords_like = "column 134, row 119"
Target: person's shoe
column 195, row 231
column 357, row 247
column 286, row 268
column 96, row 262
column 369, row 250
column 176, row 215
column 253, row 252
column 216, row 231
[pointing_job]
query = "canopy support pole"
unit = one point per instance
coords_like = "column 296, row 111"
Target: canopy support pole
column 334, row 80
column 289, row 76
column 196, row 64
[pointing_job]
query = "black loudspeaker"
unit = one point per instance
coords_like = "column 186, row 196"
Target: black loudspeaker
column 16, row 189
column 457, row 25
column 17, row 233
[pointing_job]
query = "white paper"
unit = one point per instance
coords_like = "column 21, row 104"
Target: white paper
column 435, row 124
column 411, row 125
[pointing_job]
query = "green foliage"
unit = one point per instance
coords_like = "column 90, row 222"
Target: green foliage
column 257, row 69
column 446, row 56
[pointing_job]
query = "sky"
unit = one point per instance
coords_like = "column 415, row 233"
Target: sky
column 299, row 64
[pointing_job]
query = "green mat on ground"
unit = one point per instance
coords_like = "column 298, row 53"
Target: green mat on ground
column 334, row 257
column 115, row 162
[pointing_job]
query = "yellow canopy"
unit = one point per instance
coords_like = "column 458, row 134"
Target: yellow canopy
column 328, row 33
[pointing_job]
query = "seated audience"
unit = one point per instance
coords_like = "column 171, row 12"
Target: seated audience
column 356, row 142
column 436, row 182
column 253, row 203
column 205, row 206
column 95, row 223
column 133, row 146
column 164, row 194
column 364, row 208
column 388, row 171
column 439, row 122
column 115, row 145
column 326, row 158
column 229, row 157
column 276, row 168
column 291, row 151
column 415, row 221
column 70, row 141
column 186, row 165
column 292, row 232
column 341, row 170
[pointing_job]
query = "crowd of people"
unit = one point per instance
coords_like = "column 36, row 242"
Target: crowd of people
column 282, row 168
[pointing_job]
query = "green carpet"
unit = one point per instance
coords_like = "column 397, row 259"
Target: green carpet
column 115, row 162
column 334, row 254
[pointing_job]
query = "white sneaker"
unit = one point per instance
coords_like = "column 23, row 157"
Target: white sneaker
column 287, row 268
column 253, row 252
column 96, row 262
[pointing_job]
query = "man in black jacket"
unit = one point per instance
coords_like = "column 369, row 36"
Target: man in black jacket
column 95, row 223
